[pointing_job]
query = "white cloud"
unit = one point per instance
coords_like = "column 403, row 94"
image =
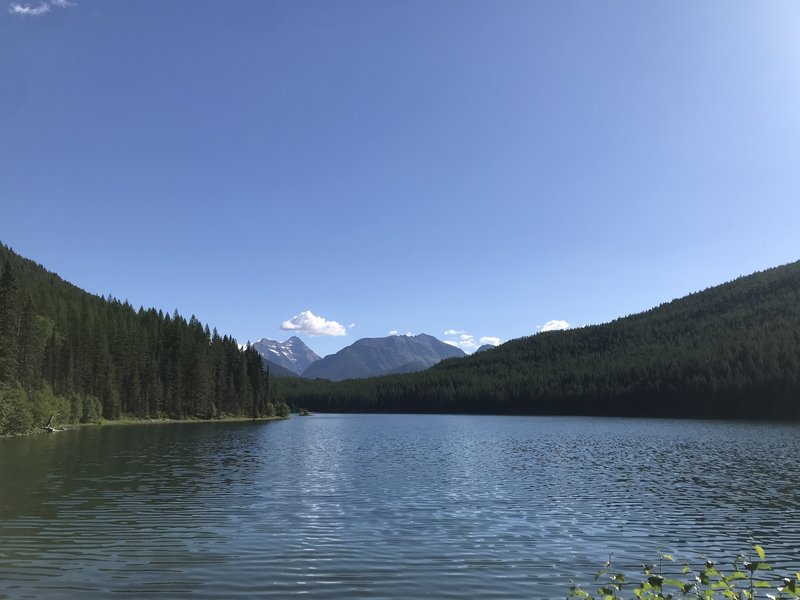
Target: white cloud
column 553, row 325
column 26, row 10
column 313, row 325
column 394, row 332
column 466, row 341
column 461, row 340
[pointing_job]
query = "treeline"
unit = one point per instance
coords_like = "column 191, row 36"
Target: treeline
column 732, row 351
column 67, row 352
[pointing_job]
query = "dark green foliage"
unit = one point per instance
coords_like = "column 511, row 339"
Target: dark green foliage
column 9, row 325
column 66, row 352
column 15, row 409
column 732, row 351
column 748, row 578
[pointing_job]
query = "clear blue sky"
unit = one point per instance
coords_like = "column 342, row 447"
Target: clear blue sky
column 418, row 166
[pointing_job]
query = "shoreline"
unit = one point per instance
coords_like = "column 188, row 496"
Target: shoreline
column 137, row 421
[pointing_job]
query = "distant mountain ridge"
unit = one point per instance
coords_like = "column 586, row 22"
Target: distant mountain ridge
column 292, row 354
column 369, row 357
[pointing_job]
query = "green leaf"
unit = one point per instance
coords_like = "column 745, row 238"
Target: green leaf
column 761, row 584
column 605, row 591
column 669, row 557
column 760, row 551
column 719, row 585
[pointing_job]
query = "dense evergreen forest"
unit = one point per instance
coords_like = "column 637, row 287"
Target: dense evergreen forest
column 81, row 357
column 732, row 351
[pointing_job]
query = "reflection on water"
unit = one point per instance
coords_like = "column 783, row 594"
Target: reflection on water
column 344, row 506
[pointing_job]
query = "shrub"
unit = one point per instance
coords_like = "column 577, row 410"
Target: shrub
column 745, row 581
column 15, row 411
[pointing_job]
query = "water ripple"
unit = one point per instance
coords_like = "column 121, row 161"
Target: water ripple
column 338, row 506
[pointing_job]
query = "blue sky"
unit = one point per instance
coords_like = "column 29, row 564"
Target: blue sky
column 415, row 166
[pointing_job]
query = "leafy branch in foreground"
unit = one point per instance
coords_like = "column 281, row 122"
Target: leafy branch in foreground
column 745, row 581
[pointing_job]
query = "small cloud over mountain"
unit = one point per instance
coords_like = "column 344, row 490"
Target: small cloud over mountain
column 466, row 341
column 553, row 325
column 313, row 325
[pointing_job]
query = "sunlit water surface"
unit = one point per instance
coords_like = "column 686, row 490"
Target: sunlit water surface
column 384, row 506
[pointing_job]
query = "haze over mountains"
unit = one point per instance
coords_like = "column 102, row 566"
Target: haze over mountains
column 367, row 357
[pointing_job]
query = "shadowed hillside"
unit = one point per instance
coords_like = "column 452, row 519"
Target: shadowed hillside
column 731, row 351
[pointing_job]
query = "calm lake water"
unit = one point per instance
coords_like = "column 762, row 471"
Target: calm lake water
column 393, row 506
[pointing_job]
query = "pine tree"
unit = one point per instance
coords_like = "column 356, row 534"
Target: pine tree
column 9, row 325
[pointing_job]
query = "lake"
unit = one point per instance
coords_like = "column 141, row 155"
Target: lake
column 389, row 506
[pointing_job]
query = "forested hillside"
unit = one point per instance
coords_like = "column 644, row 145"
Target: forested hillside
column 732, row 351
column 66, row 352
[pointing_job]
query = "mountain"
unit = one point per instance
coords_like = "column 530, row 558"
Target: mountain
column 292, row 354
column 730, row 351
column 486, row 347
column 368, row 357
